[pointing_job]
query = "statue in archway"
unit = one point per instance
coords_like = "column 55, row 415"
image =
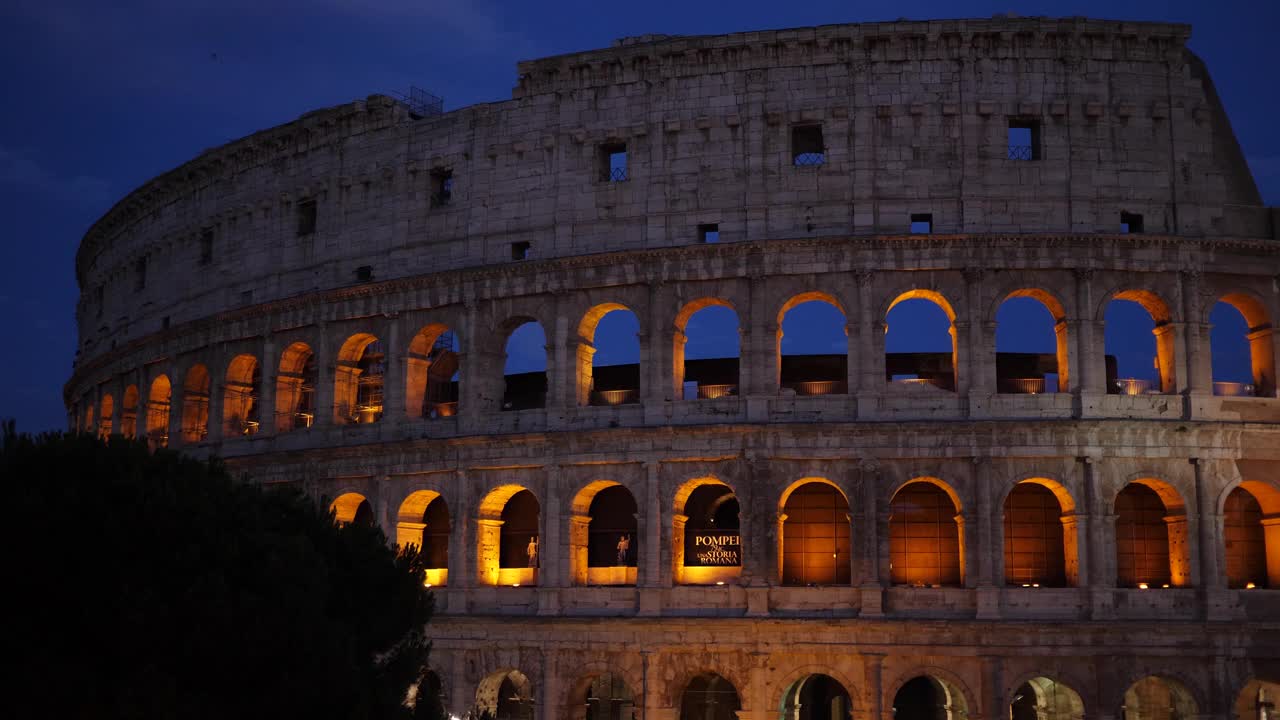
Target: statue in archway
column 624, row 546
column 532, row 551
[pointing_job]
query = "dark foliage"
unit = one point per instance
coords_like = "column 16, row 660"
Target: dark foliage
column 156, row 586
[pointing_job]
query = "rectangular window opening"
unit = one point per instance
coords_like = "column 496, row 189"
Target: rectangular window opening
column 364, row 273
column 206, row 246
column 306, row 217
column 1130, row 223
column 613, row 163
column 807, row 149
column 921, row 223
column 709, row 233
column 441, row 187
column 521, row 250
column 99, row 296
column 1024, row 139
column 140, row 273
column 164, row 323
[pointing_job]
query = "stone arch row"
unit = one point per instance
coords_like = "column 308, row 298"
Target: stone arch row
column 370, row 376
column 1044, row 535
column 819, row 693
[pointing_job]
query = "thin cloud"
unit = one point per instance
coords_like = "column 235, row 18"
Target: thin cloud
column 19, row 170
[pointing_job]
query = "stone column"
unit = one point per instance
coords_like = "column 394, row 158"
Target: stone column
column 1090, row 350
column 549, row 694
column 656, row 346
column 176, row 384
column 1171, row 342
column 651, row 523
column 757, row 527
column 394, row 391
column 1271, row 536
column 117, row 407
column 1210, row 573
column 756, row 351
column 552, row 573
column 676, row 566
column 579, row 529
column 1196, row 375
column 488, row 551
column 267, row 393
column 870, row 334
column 1072, row 548
column 875, row 542
column 1102, row 545
column 326, row 361
column 872, row 673
column 1264, row 351
column 989, row 544
column 462, row 546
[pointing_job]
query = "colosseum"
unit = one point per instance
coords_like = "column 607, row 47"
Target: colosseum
column 974, row 532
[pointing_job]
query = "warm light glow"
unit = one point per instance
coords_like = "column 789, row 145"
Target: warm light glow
column 515, row 584
column 1142, row 586
column 719, row 582
column 1249, row 586
column 426, row 584
column 1166, row 585
column 1232, row 389
column 1035, row 585
column 1025, row 386
column 1133, row 386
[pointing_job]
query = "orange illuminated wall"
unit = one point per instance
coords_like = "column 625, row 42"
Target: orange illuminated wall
column 1033, row 539
column 1245, row 540
column 815, row 537
column 924, row 537
column 1142, row 538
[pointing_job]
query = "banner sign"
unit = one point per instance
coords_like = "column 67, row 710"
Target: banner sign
column 713, row 547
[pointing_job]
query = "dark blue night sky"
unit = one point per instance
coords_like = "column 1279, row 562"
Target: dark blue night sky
column 101, row 96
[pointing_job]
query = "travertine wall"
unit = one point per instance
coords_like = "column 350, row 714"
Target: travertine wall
column 914, row 117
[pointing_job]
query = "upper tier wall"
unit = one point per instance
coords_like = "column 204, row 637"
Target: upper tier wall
column 914, row 119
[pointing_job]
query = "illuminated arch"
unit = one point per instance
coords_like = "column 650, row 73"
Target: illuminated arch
column 814, row 543
column 1158, row 697
column 296, row 378
column 158, row 412
column 507, row 695
column 1256, row 695
column 812, row 377
column 944, row 380
column 587, row 391
column 1040, row 538
column 106, row 412
column 709, row 696
column 1258, row 335
column 526, row 389
column 928, row 693
column 1007, row 379
column 698, row 574
column 1044, row 698
column 604, row 542
column 604, row 694
column 680, row 338
column 129, row 412
column 926, row 534
column 195, row 404
column 508, row 520
column 433, row 362
column 243, row 387
column 352, row 508
column 358, row 377
column 1151, row 535
column 816, row 696
column 424, row 520
column 1163, row 329
column 1251, row 534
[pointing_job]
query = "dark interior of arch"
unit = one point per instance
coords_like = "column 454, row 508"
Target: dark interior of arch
column 435, row 537
column 709, row 697
column 440, row 397
column 515, row 699
column 921, row 698
column 817, row 697
column 1142, row 538
column 519, row 526
column 918, row 345
column 1245, row 540
column 525, row 373
column 1026, row 347
column 924, row 540
column 814, row 352
column 613, row 517
column 609, row 698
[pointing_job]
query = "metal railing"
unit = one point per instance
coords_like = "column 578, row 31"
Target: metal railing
column 818, row 387
column 1022, row 152
column 809, row 159
column 1135, row 386
column 617, row 174
column 1234, row 389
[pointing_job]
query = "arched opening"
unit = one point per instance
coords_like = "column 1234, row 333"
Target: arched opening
column 814, row 532
column 604, row 544
column 352, row 509
column 89, row 418
column 423, row 520
column 709, row 697
column 431, row 378
column 1158, row 698
column 706, row 352
column 706, row 538
column 813, row 346
column 925, row 536
column 1031, row 344
column 104, row 421
column 920, row 341
column 240, row 409
column 1138, row 336
column 1257, row 701
column 1251, row 531
column 1151, row 536
column 506, row 695
column 508, row 534
column 129, row 412
column 195, row 404
column 525, row 371
column 609, row 356
column 816, row 697
column 358, row 377
column 1039, row 536
column 296, row 379
column 926, row 697
column 1242, row 348
column 1044, row 699
column 607, row 697
column 158, row 412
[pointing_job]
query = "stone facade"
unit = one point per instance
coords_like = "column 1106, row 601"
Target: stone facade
column 206, row 293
